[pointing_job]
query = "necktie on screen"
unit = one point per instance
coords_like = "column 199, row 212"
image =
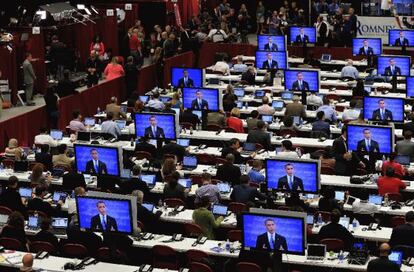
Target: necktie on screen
column 272, row 242
column 392, row 70
column 270, row 64
column 368, row 145
column 382, row 115
column 103, row 223
column 154, row 131
column 185, row 81
column 96, row 166
column 290, row 182
column 300, row 84
column 199, row 103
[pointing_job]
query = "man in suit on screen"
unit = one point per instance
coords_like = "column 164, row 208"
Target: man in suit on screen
column 382, row 113
column 270, row 46
column 302, row 38
column 367, row 144
column 290, row 182
column 102, row 221
column 269, row 63
column 401, row 40
column 392, row 69
column 199, row 103
column 154, row 131
column 366, row 50
column 185, row 81
column 96, row 166
column 300, row 84
column 270, row 240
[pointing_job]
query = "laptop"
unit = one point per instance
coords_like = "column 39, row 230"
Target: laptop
column 259, row 93
column 186, row 183
column 239, row 92
column 287, row 95
column 224, row 187
column 344, row 221
column 183, row 142
column 25, row 192
column 297, row 120
column 149, row 180
column 59, row 225
column 248, row 148
column 59, row 196
column 310, row 219
column 144, row 98
column 375, row 199
column 267, row 118
column 315, row 252
column 219, row 210
column 125, row 173
column 403, row 159
column 165, row 99
column 121, row 123
column 84, row 136
column 123, row 108
column 396, row 257
column 33, row 223
column 148, row 206
column 89, row 121
column 56, row 134
column 326, row 57
column 199, row 114
column 350, row 200
column 239, row 104
column 189, row 162
column 339, row 195
column 277, row 105
column 21, row 166
column 3, row 219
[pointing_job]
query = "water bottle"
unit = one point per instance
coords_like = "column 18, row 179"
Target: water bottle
column 320, row 221
column 132, row 141
column 228, row 245
column 299, row 152
column 99, row 121
column 355, row 223
column 341, row 256
column 191, row 130
column 160, row 203
column 98, row 111
column 164, row 207
column 386, row 201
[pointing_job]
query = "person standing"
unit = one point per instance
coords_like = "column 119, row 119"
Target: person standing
column 94, row 69
column 29, row 78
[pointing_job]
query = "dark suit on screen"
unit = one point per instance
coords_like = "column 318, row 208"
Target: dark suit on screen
column 376, row 115
column 403, row 43
column 268, row 48
column 96, row 223
column 262, row 242
column 296, row 185
column 374, row 147
column 272, row 65
column 304, row 87
column 300, row 40
column 159, row 133
column 196, row 106
column 182, row 83
column 397, row 71
column 368, row 52
column 90, row 168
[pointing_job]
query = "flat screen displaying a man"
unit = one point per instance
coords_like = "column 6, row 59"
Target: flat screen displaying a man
column 96, row 166
column 302, row 37
column 199, row 103
column 270, row 240
column 394, row 65
column 154, row 131
column 302, row 80
column 270, row 45
column 269, row 63
column 374, row 138
column 401, row 40
column 156, row 125
column 366, row 50
column 102, row 221
column 300, row 84
column 186, row 77
column 290, row 182
column 392, row 69
column 367, row 144
column 382, row 114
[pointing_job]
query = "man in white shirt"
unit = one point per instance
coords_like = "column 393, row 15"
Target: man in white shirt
column 265, row 109
column 217, row 35
column 155, row 103
column 362, row 206
column 314, row 100
column 352, row 112
column 286, row 150
column 349, row 71
column 44, row 138
column 222, row 67
column 240, row 66
column 109, row 126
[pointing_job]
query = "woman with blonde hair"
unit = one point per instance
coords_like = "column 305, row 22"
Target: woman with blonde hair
column 176, row 102
column 13, row 150
column 234, row 121
column 114, row 69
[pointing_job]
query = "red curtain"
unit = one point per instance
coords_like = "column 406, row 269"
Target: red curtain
column 147, row 79
column 108, row 31
column 83, row 35
column 9, row 69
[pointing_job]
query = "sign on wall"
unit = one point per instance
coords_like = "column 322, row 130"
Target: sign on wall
column 377, row 27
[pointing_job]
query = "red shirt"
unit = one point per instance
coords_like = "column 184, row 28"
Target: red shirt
column 134, row 43
column 398, row 168
column 236, row 124
column 113, row 71
column 387, row 185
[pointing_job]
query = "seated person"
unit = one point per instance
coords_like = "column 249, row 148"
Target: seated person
column 44, row 235
column 228, row 172
column 260, row 136
column 115, row 109
column 314, row 100
column 44, row 157
column 234, row 121
column 76, row 123
column 287, row 150
column 240, row 66
column 336, row 231
column 45, row 138
column 265, row 109
column 204, row 218
column 362, row 206
column 235, row 149
column 110, row 127
column 187, row 116
column 404, row 234
column 171, row 147
column 10, row 196
column 352, row 112
column 15, row 229
column 207, row 189
column 173, row 189
column 135, row 182
column 295, row 108
column 62, row 159
column 320, row 126
column 168, row 168
column 216, row 118
column 329, row 111
column 287, row 123
column 72, row 179
column 155, row 103
column 383, row 263
column 328, row 203
column 398, row 168
column 255, row 174
column 89, row 239
column 38, row 204
column 13, row 150
column 147, row 218
column 243, row 193
column 406, row 146
column 38, row 178
column 295, row 203
column 326, row 158
column 389, row 184
column 252, row 121
column 144, row 145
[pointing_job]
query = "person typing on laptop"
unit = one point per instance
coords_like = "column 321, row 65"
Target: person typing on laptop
column 204, row 218
column 229, row 172
column 383, row 264
column 146, row 217
column 44, row 138
column 234, row 148
column 399, row 170
column 62, row 158
column 255, row 174
column 38, row 204
column 207, row 189
column 243, row 193
column 135, row 182
column 110, row 127
column 10, row 196
column 336, row 231
column 45, row 235
column 389, row 184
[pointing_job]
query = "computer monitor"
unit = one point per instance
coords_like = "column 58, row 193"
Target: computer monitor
column 306, row 80
column 89, row 121
column 340, row 195
column 33, row 222
column 259, row 93
column 195, row 77
column 381, row 138
column 297, row 32
column 185, row 182
column 271, row 43
column 394, row 65
column 289, row 229
column 201, row 99
column 190, row 161
column 287, row 95
column 59, row 222
column 396, row 257
column 144, row 98
column 97, row 159
column 277, row 104
column 25, row 192
column 375, row 199
column 220, row 210
column 366, row 46
column 156, row 125
column 224, row 187
column 149, row 179
column 59, row 196
column 148, row 206
column 383, row 109
column 410, row 86
column 287, row 175
column 344, row 221
column 183, row 142
column 398, row 37
column 121, row 123
column 118, row 213
column 56, row 134
column 271, row 60
column 267, row 118
column 239, row 92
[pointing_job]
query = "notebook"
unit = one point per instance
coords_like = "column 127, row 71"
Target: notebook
column 375, row 199
column 149, row 180
column 56, row 134
column 59, row 225
column 287, row 95
column 316, row 252
column 326, row 57
column 123, row 109
column 277, row 105
column 396, row 257
column 21, row 166
column 248, row 148
column 339, row 195
column 189, row 162
column 297, row 120
column 403, row 159
column 125, row 173
column 33, row 222
column 267, row 118
column 344, row 221
column 259, row 93
column 89, row 121
column 183, row 142
column 59, row 196
column 239, row 104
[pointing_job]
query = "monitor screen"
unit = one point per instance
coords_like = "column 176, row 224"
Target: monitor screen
column 299, row 34
column 394, row 65
column 155, row 125
column 375, row 199
column 33, row 222
column 410, row 86
column 239, row 92
column 183, row 142
column 366, row 46
column 293, row 175
column 59, row 222
column 187, row 77
column 289, row 232
column 398, row 37
column 267, row 118
column 277, row 104
column 302, row 80
column 149, row 179
column 271, row 43
column 59, row 196
column 339, row 195
column 220, row 210
column 344, row 221
column 104, row 214
column 144, row 98
column 201, row 99
column 383, row 109
column 121, row 123
column 287, row 95
column 56, row 134
column 190, row 161
column 250, row 146
column 396, row 257
column 25, row 192
column 310, row 219
column 97, row 160
column 224, row 187
column 381, row 138
column 186, row 183
column 271, row 60
column 89, row 121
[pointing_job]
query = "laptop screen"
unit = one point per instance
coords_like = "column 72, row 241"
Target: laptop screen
column 267, row 118
column 359, row 246
column 220, row 210
column 259, row 93
column 183, row 142
column 239, row 104
column 56, row 134
column 224, row 187
column 89, row 121
column 3, row 218
column 185, row 183
column 287, row 95
column 33, row 222
column 403, row 159
column 59, row 222
column 239, row 92
column 59, row 196
column 297, row 120
column 326, row 57
column 396, row 257
column 339, row 195
column 84, row 136
column 316, row 250
column 344, row 221
column 277, row 104
column 148, row 206
column 199, row 114
column 375, row 199
column 125, row 173
column 148, row 179
column 190, row 161
column 249, row 147
column 121, row 123
column 25, row 192
column 144, row 98
column 310, row 219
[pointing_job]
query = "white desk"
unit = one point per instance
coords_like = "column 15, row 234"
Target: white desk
column 382, row 235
